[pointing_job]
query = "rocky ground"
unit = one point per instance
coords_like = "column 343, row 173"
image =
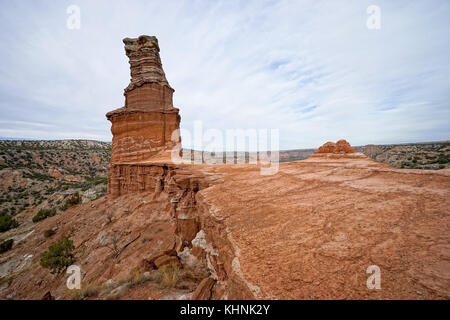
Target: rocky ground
column 136, row 225
column 307, row 232
column 312, row 230
column 42, row 174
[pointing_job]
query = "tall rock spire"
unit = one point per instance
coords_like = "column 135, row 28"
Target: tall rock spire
column 142, row 129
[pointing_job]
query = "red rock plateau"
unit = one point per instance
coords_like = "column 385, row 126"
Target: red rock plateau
column 310, row 231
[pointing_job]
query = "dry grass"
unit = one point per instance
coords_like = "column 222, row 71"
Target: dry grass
column 10, row 277
column 170, row 275
column 86, row 291
column 193, row 274
column 138, row 277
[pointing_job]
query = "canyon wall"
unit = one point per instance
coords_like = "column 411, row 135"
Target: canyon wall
column 202, row 240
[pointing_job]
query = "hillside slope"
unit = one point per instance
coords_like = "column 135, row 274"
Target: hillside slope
column 42, row 174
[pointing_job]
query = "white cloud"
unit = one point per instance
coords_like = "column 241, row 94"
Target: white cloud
column 310, row 68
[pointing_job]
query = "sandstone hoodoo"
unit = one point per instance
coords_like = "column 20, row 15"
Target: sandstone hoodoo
column 339, row 150
column 143, row 127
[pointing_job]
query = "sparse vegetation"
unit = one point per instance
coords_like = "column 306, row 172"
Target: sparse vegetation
column 109, row 217
column 58, row 256
column 138, row 277
column 6, row 223
column 45, row 171
column 49, row 233
column 43, row 214
column 169, row 275
column 193, row 274
column 113, row 243
column 86, row 291
column 6, row 245
column 72, row 201
column 425, row 156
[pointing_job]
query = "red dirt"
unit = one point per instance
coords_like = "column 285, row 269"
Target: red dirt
column 311, row 230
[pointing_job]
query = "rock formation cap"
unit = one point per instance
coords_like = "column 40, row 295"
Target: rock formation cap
column 134, row 45
column 145, row 62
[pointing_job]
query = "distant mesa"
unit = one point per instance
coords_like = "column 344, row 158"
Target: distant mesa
column 337, row 150
column 341, row 146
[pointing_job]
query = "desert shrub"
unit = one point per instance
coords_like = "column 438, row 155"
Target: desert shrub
column 6, row 223
column 138, row 277
column 6, row 245
column 193, row 274
column 43, row 214
column 58, row 256
column 48, row 233
column 109, row 217
column 86, row 291
column 169, row 275
column 72, row 201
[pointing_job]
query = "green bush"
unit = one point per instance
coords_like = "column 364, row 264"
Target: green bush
column 58, row 256
column 43, row 214
column 6, row 245
column 48, row 233
column 72, row 201
column 6, row 223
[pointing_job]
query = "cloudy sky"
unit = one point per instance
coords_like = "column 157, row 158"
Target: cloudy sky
column 312, row 69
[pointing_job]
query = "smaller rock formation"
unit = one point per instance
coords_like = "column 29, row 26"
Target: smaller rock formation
column 338, row 150
column 341, row 146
